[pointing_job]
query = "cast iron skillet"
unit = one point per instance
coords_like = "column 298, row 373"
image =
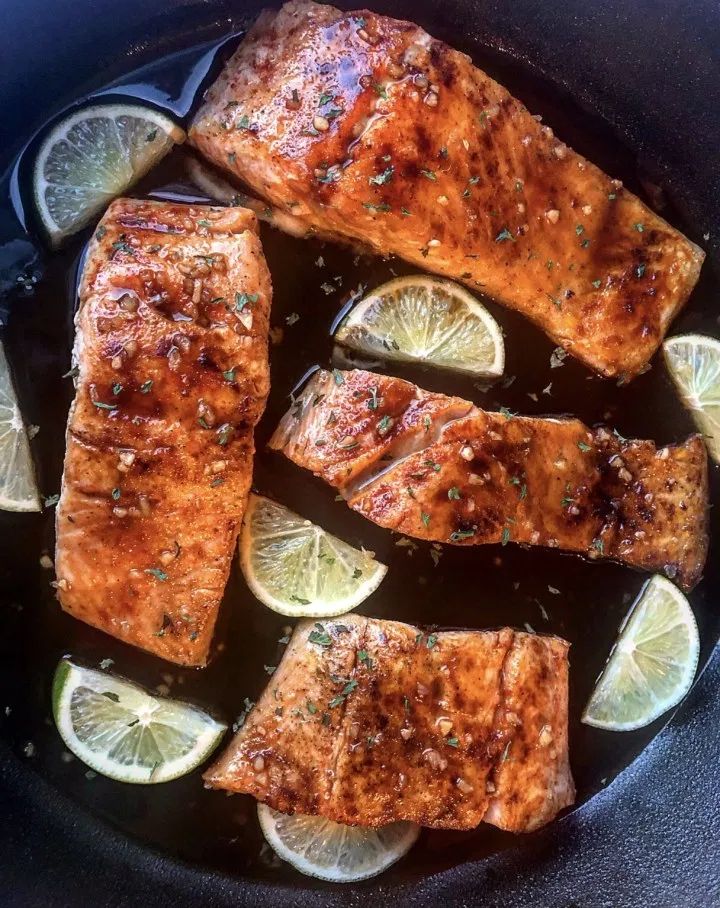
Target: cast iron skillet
column 643, row 78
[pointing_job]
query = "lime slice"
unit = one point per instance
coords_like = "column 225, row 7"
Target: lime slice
column 296, row 568
column 652, row 664
column 94, row 155
column 123, row 732
column 694, row 365
column 426, row 320
column 18, row 489
column 330, row 851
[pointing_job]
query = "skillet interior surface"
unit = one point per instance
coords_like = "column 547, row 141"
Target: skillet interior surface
column 481, row 587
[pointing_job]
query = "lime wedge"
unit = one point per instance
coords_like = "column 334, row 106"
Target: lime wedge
column 694, row 365
column 330, row 851
column 18, row 489
column 125, row 733
column 94, row 155
column 296, row 568
column 426, row 320
column 652, row 664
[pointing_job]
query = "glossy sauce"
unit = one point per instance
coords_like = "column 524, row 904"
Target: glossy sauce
column 480, row 587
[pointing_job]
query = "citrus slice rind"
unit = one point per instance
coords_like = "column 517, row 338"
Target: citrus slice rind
column 330, row 851
column 93, row 156
column 297, row 569
column 18, row 486
column 426, row 320
column 123, row 732
column 693, row 361
column 652, row 664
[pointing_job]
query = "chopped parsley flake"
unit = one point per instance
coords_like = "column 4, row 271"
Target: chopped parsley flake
column 157, row 574
column 116, row 493
column 583, row 447
column 229, row 375
column 364, row 657
column 504, row 235
column 639, row 227
column 453, row 742
column 146, row 386
column 121, row 246
column 454, row 493
column 245, row 299
column 461, row 534
column 384, row 425
column 505, row 538
column 320, row 636
column 640, row 270
column 431, row 641
column 381, row 178
column 224, row 433
column 346, row 691
column 425, row 518
column 429, row 175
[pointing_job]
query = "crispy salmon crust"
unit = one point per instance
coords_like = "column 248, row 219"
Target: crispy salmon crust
column 171, row 352
column 439, row 468
column 367, row 722
column 366, row 129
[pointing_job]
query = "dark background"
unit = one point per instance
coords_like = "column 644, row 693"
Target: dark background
column 652, row 70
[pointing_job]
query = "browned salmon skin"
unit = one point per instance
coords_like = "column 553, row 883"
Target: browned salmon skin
column 366, row 129
column 439, row 468
column 171, row 352
column 367, row 722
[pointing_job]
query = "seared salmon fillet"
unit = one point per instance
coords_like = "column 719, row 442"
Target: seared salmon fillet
column 172, row 362
column 366, row 722
column 439, row 468
column 368, row 130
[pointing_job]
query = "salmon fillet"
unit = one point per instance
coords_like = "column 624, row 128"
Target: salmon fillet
column 367, row 722
column 438, row 468
column 171, row 353
column 366, row 129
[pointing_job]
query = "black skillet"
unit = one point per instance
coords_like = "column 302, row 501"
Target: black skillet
column 635, row 87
